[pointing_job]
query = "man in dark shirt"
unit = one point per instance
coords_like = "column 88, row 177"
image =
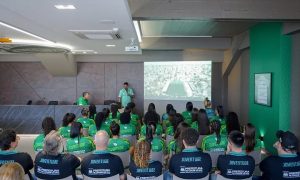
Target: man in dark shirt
column 102, row 164
column 190, row 163
column 8, row 142
column 51, row 163
column 236, row 164
column 287, row 164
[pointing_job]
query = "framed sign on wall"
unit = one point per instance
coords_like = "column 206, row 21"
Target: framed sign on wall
column 263, row 89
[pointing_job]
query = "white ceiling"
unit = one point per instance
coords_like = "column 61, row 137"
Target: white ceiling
column 41, row 18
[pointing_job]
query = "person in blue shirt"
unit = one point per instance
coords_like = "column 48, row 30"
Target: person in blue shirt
column 286, row 165
column 141, row 166
column 236, row 164
column 190, row 163
column 126, row 95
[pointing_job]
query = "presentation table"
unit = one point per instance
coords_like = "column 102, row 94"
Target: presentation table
column 27, row 119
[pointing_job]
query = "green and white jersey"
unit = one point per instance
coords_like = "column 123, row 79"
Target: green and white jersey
column 223, row 130
column 187, row 115
column 166, row 123
column 93, row 130
column 157, row 144
column 257, row 147
column 222, row 120
column 170, row 131
column 173, row 148
column 38, row 143
column 118, row 145
column 65, row 131
column 195, row 125
column 158, row 131
column 86, row 122
column 108, row 122
column 80, row 145
column 134, row 119
column 81, row 101
column 127, row 129
column 125, row 96
column 116, row 119
column 209, row 143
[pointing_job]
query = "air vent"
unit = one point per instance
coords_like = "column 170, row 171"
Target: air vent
column 97, row 34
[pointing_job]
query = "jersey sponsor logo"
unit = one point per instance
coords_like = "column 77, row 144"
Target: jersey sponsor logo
column 239, row 163
column 99, row 161
column 49, row 161
column 6, row 161
column 52, row 172
column 145, row 170
column 191, row 170
column 289, row 174
column 190, row 159
column 291, row 164
column 99, row 171
column 239, row 172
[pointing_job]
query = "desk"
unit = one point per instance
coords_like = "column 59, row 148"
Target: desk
column 27, row 119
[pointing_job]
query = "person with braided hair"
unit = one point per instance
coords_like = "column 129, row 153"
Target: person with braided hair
column 215, row 141
column 141, row 166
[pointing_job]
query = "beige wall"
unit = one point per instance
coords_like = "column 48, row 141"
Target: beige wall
column 238, row 88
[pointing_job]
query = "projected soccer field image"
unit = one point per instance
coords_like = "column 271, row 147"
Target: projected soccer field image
column 189, row 80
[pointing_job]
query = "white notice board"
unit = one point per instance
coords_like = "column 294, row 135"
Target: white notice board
column 263, row 89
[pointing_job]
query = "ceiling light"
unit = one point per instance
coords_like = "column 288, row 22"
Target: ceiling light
column 44, row 43
column 22, row 31
column 110, row 45
column 64, row 7
column 162, row 36
column 137, row 30
column 95, row 52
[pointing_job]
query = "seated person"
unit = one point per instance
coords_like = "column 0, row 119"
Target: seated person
column 251, row 142
column 84, row 99
column 157, row 144
column 99, row 125
column 236, row 164
column 117, row 144
column 12, row 171
column 106, row 113
column 135, row 119
column 202, row 123
column 219, row 115
column 92, row 111
column 187, row 114
column 151, row 117
column 175, row 146
column 77, row 143
column 141, row 166
column 126, row 129
column 209, row 110
column 190, row 163
column 232, row 123
column 215, row 141
column 8, row 142
column 287, row 164
column 114, row 114
column 102, row 164
column 175, row 120
column 65, row 130
column 51, row 163
column 48, row 125
column 85, row 120
column 165, row 116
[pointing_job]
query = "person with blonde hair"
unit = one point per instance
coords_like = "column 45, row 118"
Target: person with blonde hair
column 142, row 166
column 51, row 163
column 12, row 171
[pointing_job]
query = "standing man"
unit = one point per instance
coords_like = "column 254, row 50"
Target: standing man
column 84, row 99
column 125, row 95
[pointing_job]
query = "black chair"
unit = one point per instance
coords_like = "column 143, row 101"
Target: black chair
column 29, row 102
column 53, row 103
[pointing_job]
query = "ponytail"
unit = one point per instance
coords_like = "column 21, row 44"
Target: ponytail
column 216, row 128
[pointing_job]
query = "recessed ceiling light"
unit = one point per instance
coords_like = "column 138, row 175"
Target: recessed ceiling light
column 137, row 29
column 84, row 52
column 95, row 52
column 110, row 45
column 62, row 7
